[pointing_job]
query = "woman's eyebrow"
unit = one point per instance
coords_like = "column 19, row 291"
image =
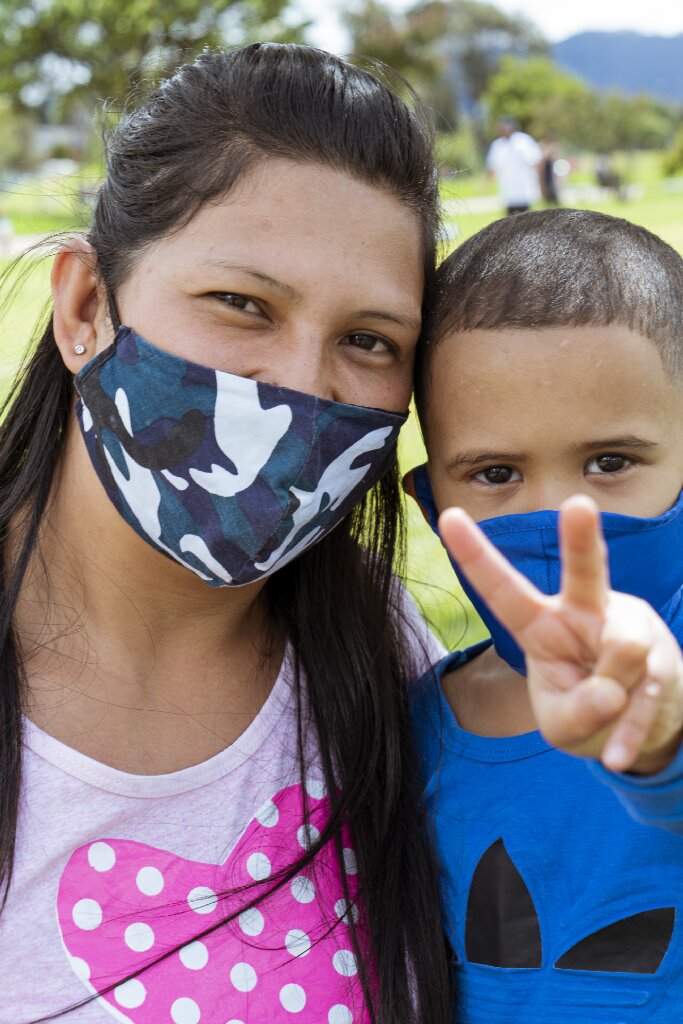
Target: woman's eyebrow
column 413, row 323
column 403, row 320
column 285, row 289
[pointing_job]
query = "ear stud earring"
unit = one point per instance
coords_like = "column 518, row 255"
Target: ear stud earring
column 79, row 349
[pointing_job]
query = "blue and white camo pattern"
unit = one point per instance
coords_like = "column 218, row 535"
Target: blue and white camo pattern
column 231, row 477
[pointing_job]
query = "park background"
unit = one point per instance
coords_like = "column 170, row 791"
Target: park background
column 606, row 81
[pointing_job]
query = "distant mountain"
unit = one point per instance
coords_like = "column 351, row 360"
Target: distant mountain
column 626, row 60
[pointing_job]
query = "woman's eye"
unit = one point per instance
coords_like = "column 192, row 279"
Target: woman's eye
column 236, row 301
column 498, row 475
column 370, row 343
column 608, row 464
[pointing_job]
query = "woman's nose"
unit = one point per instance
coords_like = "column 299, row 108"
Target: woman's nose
column 300, row 366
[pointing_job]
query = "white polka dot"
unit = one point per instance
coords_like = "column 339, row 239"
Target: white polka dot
column 194, row 956
column 235, row 1021
column 202, row 899
column 149, row 881
column 131, row 994
column 243, row 977
column 185, row 1011
column 303, row 889
column 340, row 1014
column 80, row 968
column 293, row 998
column 139, row 937
column 101, row 857
column 341, row 909
column 251, row 921
column 315, row 788
column 350, row 862
column 344, row 963
column 259, row 867
column 87, row 914
column 307, row 835
column 297, row 942
column 268, row 815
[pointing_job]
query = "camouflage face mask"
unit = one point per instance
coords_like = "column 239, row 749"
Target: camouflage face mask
column 231, row 477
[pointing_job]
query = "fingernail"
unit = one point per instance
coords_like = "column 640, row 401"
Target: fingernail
column 653, row 690
column 616, row 758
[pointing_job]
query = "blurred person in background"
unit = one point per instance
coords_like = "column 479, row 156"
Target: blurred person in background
column 548, row 175
column 514, row 159
column 608, row 177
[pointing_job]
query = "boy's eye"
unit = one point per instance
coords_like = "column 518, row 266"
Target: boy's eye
column 369, row 343
column 498, row 475
column 237, row 301
column 607, row 464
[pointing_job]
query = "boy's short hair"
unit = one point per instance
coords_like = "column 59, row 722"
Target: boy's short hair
column 558, row 268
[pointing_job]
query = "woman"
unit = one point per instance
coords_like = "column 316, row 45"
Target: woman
column 215, row 794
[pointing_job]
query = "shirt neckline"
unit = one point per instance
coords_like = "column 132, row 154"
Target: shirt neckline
column 112, row 780
column 469, row 744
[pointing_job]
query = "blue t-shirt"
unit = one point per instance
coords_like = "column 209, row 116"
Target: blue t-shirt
column 562, row 882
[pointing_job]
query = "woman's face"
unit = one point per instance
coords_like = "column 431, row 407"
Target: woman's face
column 302, row 277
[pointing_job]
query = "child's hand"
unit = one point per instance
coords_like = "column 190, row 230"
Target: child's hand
column 605, row 674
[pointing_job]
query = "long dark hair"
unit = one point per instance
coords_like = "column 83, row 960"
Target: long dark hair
column 191, row 142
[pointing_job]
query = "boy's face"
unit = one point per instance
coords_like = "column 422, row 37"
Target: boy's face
column 519, row 420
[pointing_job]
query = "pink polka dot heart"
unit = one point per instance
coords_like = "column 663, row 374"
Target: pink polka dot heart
column 122, row 904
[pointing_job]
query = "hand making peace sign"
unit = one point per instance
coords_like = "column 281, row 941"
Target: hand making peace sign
column 605, row 674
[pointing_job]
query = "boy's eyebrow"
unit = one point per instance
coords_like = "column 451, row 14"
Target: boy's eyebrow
column 475, row 455
column 624, row 441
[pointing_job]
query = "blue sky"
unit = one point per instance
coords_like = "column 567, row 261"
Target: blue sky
column 557, row 18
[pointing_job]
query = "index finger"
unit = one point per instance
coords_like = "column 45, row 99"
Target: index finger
column 585, row 574
column 512, row 598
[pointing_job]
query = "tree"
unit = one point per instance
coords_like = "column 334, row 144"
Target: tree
column 65, row 53
column 673, row 158
column 540, row 96
column 16, row 130
column 477, row 38
column 447, row 50
column 545, row 99
column 407, row 45
column 631, row 122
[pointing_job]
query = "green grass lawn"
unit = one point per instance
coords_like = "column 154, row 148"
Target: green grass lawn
column 24, row 291
column 52, row 202
column 657, row 210
column 54, row 207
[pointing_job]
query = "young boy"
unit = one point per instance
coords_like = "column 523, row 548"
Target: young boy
column 554, row 367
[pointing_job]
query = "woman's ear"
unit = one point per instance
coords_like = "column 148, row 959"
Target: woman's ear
column 77, row 304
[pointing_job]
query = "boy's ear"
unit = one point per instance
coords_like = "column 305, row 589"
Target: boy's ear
column 408, row 483
column 77, row 317
column 416, row 484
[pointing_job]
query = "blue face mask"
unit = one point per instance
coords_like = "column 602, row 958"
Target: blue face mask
column 645, row 556
column 231, row 477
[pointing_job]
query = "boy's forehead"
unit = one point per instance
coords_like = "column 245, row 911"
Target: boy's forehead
column 561, row 373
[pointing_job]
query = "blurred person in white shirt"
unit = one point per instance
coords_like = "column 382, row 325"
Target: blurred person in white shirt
column 514, row 159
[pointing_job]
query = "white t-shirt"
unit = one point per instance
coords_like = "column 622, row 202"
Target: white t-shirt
column 513, row 161
column 112, row 868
